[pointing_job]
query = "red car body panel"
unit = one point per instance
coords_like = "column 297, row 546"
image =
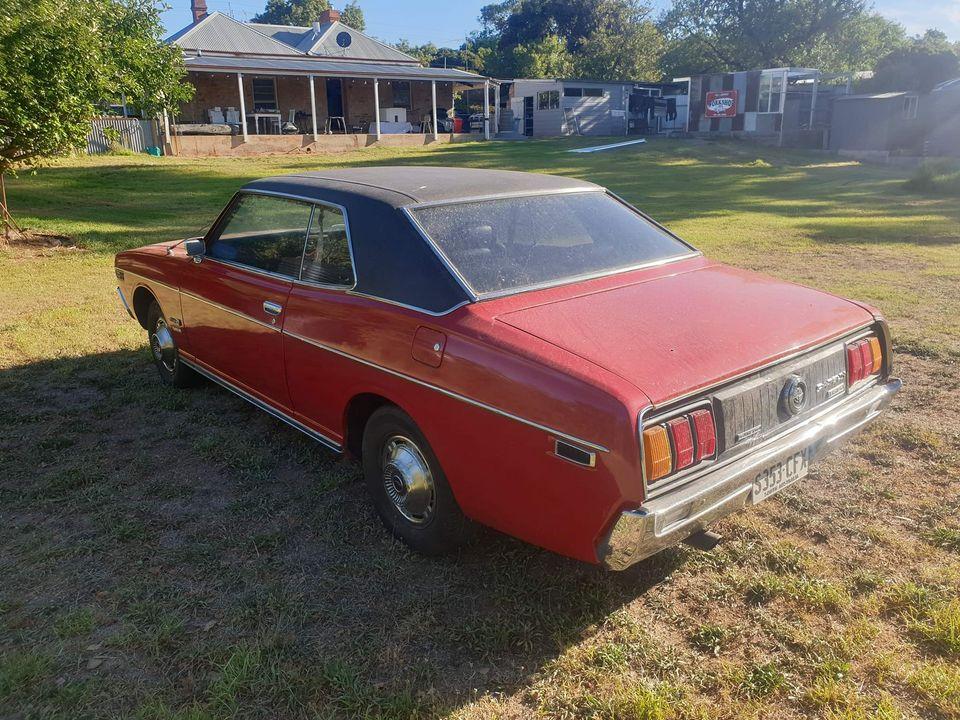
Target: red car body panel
column 689, row 325
column 494, row 384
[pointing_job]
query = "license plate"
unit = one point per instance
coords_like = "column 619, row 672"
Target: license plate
column 778, row 476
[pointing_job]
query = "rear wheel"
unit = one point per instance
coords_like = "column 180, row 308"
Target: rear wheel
column 408, row 487
column 163, row 347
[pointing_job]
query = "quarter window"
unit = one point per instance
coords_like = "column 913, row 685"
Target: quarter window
column 548, row 100
column 327, row 257
column 263, row 232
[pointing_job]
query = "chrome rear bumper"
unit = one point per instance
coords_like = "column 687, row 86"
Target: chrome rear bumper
column 666, row 520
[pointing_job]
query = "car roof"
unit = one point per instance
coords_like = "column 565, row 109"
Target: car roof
column 404, row 185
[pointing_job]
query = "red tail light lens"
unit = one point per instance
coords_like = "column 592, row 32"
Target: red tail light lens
column 679, row 443
column 706, row 433
column 864, row 358
column 682, row 438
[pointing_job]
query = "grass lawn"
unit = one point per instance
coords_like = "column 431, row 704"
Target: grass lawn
column 170, row 554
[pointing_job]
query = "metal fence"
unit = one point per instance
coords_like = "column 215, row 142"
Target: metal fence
column 131, row 133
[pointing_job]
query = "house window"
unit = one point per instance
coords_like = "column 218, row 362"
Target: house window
column 593, row 92
column 264, row 93
column 548, row 100
column 573, row 92
column 401, row 93
column 910, row 107
column 771, row 90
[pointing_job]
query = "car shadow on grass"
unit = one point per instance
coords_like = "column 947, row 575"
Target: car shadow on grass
column 219, row 560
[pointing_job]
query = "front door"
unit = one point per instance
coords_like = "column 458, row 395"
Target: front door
column 233, row 301
column 528, row 115
column 334, row 97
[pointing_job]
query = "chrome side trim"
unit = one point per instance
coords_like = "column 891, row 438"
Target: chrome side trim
column 322, row 439
column 125, row 305
column 456, row 396
column 151, row 280
column 442, row 256
column 432, row 313
column 225, row 309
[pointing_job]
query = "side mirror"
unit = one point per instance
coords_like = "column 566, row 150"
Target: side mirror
column 195, row 248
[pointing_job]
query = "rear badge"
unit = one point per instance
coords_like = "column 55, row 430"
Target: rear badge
column 793, row 397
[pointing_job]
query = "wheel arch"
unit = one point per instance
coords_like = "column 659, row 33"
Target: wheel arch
column 355, row 417
column 142, row 299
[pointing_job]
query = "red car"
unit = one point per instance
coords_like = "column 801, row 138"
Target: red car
column 523, row 351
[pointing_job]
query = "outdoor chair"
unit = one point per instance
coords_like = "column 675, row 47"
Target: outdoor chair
column 216, row 116
column 233, row 116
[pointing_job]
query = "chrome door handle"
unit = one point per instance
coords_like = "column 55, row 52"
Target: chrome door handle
column 272, row 308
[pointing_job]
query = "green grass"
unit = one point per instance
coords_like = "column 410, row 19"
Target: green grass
column 181, row 556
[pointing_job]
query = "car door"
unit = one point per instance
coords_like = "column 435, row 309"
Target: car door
column 234, row 299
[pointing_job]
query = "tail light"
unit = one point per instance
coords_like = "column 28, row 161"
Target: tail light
column 679, row 443
column 657, row 460
column 864, row 358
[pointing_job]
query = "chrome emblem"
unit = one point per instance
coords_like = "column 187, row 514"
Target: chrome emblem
column 793, row 397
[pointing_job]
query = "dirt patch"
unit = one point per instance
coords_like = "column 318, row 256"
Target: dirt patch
column 35, row 242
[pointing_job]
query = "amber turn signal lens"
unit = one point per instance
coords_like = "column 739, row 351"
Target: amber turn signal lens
column 657, row 462
column 877, row 355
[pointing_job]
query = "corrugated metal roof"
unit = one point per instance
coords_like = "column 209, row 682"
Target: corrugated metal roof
column 220, row 33
column 292, row 35
column 325, row 66
column 361, row 46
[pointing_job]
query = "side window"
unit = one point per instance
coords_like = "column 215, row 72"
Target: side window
column 263, row 232
column 327, row 257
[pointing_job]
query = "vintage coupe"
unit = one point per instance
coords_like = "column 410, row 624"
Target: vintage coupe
column 523, row 351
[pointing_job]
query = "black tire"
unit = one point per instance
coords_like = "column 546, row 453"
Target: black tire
column 167, row 358
column 393, row 450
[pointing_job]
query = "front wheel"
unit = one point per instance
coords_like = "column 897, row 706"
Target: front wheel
column 163, row 347
column 408, row 487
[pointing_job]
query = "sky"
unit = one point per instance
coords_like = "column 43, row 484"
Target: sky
column 446, row 23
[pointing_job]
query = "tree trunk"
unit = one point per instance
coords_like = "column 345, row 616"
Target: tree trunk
column 8, row 222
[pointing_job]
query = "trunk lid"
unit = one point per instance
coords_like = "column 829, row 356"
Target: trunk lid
column 678, row 332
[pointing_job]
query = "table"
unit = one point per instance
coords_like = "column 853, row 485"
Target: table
column 393, row 128
column 257, row 117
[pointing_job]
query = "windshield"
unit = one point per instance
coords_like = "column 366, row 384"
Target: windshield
column 509, row 244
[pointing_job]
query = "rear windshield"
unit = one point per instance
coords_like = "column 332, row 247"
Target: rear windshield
column 509, row 244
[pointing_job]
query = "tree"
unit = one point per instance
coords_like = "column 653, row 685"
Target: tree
column 857, row 45
column 926, row 61
column 624, row 45
column 548, row 57
column 292, row 12
column 726, row 35
column 603, row 39
column 57, row 67
column 352, row 16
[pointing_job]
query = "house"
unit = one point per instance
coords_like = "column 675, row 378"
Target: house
column 548, row 107
column 274, row 88
column 782, row 106
column 940, row 111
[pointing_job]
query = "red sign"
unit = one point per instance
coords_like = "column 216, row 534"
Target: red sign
column 721, row 103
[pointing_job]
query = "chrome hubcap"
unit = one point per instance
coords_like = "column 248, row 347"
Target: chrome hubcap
column 407, row 479
column 162, row 345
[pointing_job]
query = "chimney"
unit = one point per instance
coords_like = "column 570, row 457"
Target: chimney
column 199, row 9
column 327, row 16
